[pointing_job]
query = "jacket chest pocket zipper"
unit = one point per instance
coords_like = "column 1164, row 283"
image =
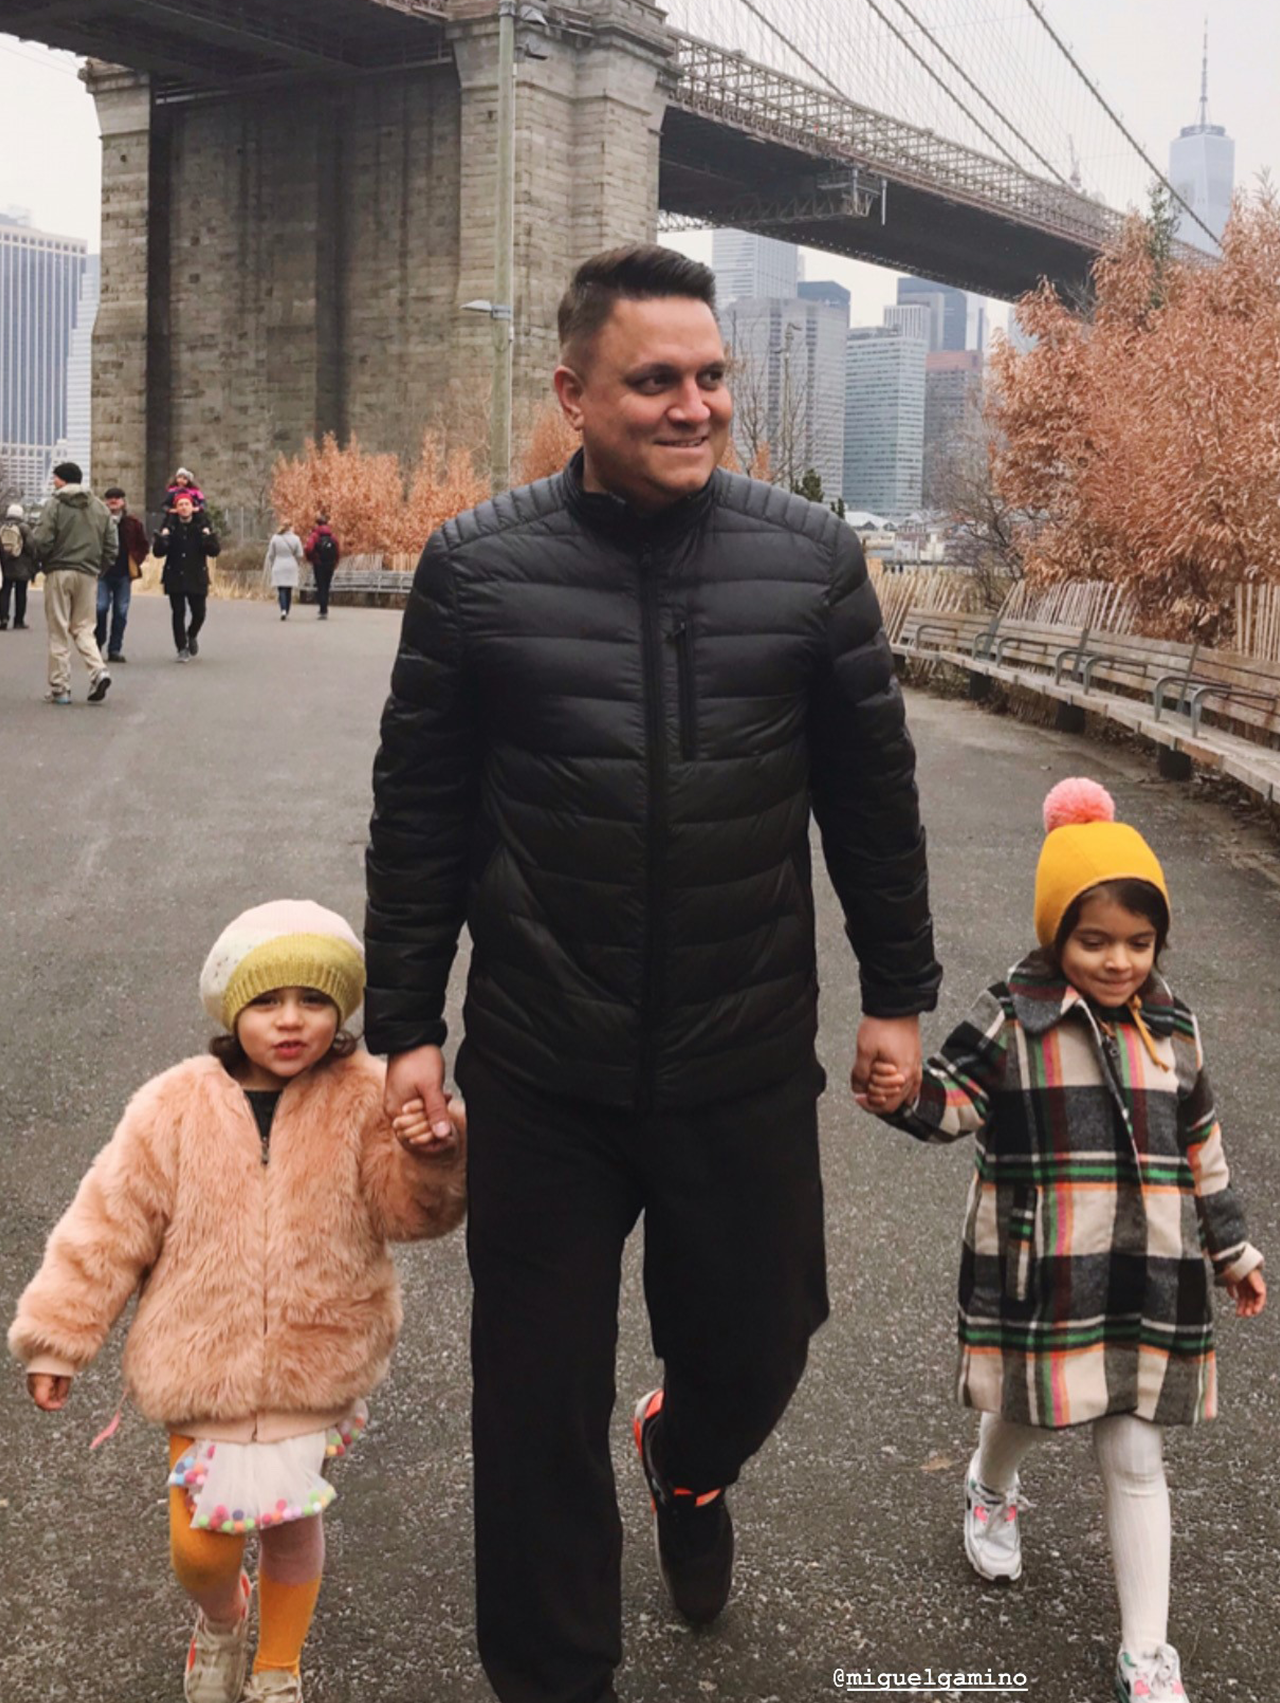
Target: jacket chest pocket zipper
column 683, row 636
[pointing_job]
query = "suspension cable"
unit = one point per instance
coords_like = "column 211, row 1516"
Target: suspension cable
column 1116, row 119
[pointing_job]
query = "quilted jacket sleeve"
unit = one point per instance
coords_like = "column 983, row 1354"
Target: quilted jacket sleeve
column 959, row 1082
column 107, row 1238
column 1222, row 1226
column 865, row 799
column 424, row 788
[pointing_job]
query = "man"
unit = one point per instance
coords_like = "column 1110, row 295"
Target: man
column 74, row 541
column 115, row 588
column 17, row 566
column 186, row 545
column 324, row 555
column 617, row 695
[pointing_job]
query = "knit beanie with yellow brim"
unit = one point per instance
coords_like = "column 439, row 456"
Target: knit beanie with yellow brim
column 286, row 943
column 1085, row 846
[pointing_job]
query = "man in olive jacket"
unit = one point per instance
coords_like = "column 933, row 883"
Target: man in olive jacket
column 73, row 540
column 619, row 695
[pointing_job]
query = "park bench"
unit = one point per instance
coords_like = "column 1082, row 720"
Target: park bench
column 358, row 576
column 1211, row 708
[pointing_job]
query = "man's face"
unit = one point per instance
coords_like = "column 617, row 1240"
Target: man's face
column 650, row 399
column 57, row 483
column 116, row 505
column 184, row 507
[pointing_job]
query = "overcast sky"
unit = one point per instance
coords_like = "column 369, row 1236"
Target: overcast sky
column 1143, row 54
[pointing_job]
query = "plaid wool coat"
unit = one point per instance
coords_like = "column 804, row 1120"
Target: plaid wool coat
column 1099, row 1188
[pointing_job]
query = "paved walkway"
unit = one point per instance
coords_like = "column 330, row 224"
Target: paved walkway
column 131, row 832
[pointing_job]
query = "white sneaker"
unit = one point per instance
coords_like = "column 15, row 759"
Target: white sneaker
column 274, row 1685
column 992, row 1530
column 217, row 1659
column 1149, row 1676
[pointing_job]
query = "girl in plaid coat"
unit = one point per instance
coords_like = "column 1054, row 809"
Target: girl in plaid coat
column 1099, row 1189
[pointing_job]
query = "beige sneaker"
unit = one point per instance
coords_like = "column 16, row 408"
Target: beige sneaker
column 217, row 1660
column 273, row 1685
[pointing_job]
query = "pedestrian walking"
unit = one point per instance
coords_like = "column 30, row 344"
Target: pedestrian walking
column 115, row 588
column 283, row 565
column 17, row 566
column 324, row 555
column 1101, row 1186
column 617, row 695
column 249, row 1196
column 74, row 541
column 187, row 544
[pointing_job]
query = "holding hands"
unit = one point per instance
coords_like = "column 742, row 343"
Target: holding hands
column 888, row 1066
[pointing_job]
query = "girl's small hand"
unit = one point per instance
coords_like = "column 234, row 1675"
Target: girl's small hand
column 1249, row 1295
column 886, row 1088
column 48, row 1390
column 413, row 1130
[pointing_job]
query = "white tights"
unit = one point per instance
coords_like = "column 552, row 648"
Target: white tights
column 1130, row 1455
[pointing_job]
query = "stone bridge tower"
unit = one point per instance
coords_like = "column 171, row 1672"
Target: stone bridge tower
column 292, row 259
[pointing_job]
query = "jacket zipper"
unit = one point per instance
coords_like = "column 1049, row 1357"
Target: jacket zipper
column 683, row 637
column 264, row 1175
column 656, row 763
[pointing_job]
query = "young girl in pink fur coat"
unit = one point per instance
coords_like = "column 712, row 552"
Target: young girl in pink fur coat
column 249, row 1198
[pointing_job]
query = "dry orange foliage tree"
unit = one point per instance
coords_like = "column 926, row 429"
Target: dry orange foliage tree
column 365, row 495
column 1144, row 439
column 549, row 442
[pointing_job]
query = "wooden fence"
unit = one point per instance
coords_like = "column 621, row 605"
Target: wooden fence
column 939, row 589
column 1099, row 604
column 1258, row 621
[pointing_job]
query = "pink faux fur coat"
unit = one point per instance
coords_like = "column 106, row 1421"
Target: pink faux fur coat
column 269, row 1301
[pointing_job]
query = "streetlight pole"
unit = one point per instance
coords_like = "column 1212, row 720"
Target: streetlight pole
column 503, row 311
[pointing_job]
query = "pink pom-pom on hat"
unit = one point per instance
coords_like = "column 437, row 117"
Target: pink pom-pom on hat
column 1076, row 801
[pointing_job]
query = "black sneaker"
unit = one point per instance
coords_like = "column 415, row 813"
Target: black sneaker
column 193, row 649
column 692, row 1535
column 116, row 656
column 99, row 689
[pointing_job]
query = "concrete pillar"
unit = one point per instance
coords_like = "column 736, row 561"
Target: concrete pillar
column 588, row 120
column 121, row 332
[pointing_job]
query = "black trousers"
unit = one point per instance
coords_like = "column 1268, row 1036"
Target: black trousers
column 182, row 632
column 323, row 579
column 735, row 1283
column 17, row 590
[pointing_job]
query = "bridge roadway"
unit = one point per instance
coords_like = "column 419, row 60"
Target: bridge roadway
column 130, row 833
column 741, row 144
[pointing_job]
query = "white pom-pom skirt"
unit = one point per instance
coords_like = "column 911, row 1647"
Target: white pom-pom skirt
column 248, row 1487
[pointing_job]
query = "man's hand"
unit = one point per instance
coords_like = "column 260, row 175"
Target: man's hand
column 1249, row 1295
column 894, row 1041
column 48, row 1391
column 419, row 1075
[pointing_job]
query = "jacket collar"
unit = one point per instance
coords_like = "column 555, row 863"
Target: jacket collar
column 1042, row 996
column 616, row 518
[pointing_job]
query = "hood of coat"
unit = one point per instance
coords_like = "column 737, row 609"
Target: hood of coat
column 75, row 496
column 1042, row 996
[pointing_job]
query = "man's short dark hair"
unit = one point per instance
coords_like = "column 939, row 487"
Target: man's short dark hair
column 69, row 473
column 641, row 272
column 113, row 491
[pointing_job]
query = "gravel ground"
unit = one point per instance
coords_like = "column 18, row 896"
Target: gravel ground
column 132, row 831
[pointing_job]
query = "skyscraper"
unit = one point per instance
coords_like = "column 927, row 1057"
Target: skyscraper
column 749, row 265
column 78, row 445
column 952, row 394
column 39, row 289
column 1202, row 168
column 789, row 385
column 948, row 311
column 884, row 420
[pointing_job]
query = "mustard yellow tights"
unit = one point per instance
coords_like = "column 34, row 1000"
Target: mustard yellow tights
column 290, row 1564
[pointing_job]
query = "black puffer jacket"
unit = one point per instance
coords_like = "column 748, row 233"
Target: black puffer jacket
column 602, row 742
column 186, row 547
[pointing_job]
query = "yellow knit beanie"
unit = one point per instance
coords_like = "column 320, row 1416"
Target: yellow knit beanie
column 1084, row 846
column 287, row 943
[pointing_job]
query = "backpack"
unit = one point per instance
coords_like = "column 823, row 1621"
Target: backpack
column 326, row 551
column 11, row 539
